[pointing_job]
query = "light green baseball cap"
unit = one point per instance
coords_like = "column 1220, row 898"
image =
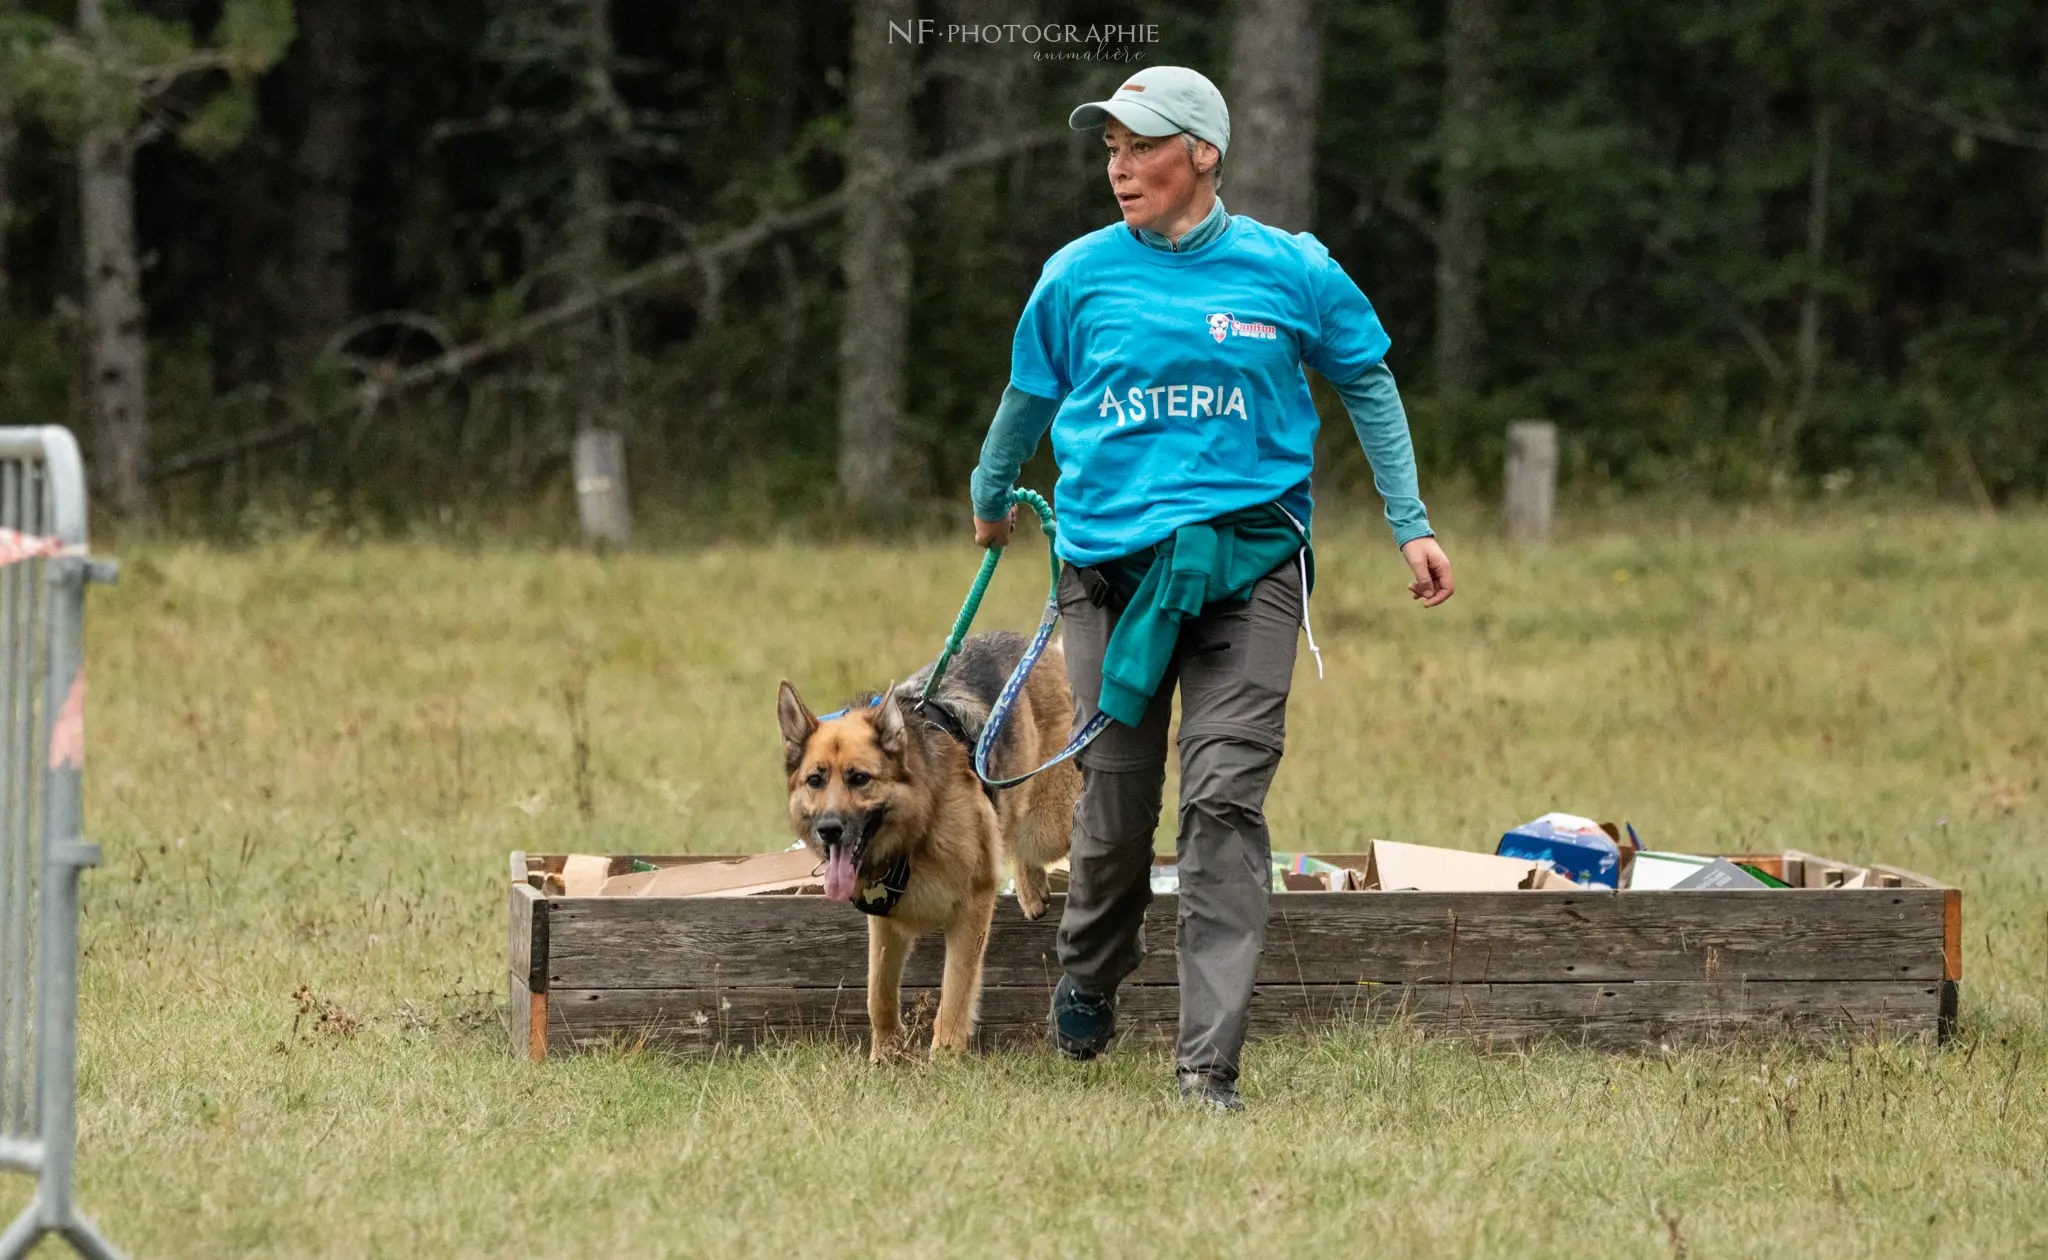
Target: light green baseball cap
column 1160, row 101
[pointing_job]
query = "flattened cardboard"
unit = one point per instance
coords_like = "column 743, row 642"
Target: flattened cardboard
column 583, row 874
column 1547, row 879
column 1392, row 867
column 786, row 871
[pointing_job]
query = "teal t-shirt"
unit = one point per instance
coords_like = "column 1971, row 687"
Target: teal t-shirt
column 1180, row 378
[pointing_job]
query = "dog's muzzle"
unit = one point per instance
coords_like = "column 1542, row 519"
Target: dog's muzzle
column 844, row 837
column 841, row 830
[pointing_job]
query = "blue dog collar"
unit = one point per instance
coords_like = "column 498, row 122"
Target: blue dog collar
column 840, row 713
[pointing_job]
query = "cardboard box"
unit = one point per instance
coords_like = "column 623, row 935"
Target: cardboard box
column 1392, row 867
column 1583, row 850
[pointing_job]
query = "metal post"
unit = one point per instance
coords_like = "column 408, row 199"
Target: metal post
column 51, row 505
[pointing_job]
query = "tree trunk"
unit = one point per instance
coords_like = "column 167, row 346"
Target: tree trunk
column 118, row 356
column 598, row 342
column 9, row 134
column 876, row 258
column 1461, row 234
column 328, row 155
column 2041, row 181
column 978, row 86
column 1276, row 64
column 1809, row 300
column 249, row 328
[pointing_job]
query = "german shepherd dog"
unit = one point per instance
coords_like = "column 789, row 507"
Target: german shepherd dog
column 885, row 793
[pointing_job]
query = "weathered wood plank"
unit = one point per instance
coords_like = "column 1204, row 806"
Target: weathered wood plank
column 526, row 936
column 1607, row 1016
column 1834, row 934
column 526, row 1015
column 1757, row 935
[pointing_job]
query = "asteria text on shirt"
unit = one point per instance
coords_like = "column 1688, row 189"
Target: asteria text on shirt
column 1181, row 400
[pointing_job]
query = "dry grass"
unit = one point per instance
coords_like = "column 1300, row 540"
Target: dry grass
column 309, row 763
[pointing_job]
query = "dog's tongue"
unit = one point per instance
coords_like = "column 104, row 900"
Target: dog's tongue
column 839, row 874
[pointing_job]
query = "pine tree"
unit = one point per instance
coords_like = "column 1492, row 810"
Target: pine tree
column 134, row 91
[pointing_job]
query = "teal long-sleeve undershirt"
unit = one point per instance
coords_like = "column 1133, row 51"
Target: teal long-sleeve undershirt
column 1372, row 400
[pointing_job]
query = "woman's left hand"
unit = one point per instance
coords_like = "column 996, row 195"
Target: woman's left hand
column 1432, row 584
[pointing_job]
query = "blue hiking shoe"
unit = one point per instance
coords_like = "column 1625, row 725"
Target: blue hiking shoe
column 1082, row 1024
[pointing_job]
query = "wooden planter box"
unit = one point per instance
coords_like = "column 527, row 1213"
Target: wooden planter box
column 1605, row 969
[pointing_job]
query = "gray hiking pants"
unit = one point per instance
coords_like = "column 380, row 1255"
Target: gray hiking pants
column 1233, row 665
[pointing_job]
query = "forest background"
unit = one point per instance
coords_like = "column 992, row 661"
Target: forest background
column 371, row 264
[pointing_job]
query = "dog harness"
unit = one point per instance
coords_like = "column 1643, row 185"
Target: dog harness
column 945, row 719
column 880, row 895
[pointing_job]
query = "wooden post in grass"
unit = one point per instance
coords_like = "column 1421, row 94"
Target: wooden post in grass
column 599, row 465
column 1530, row 487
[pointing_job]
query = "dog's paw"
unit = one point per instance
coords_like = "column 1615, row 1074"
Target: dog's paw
column 891, row 1047
column 1030, row 904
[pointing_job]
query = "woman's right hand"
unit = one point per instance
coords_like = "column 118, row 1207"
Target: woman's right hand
column 994, row 533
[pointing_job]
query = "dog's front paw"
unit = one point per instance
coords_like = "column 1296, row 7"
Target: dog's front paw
column 889, row 1047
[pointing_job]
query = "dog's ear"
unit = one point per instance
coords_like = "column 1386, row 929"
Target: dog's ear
column 889, row 727
column 797, row 725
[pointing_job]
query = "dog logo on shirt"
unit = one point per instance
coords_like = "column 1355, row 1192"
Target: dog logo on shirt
column 1223, row 324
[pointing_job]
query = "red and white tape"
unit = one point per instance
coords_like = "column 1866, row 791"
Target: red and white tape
column 16, row 546
column 67, row 728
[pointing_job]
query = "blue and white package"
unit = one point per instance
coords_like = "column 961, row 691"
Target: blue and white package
column 1575, row 847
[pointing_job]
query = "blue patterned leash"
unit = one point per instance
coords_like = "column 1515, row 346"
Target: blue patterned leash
column 1007, row 698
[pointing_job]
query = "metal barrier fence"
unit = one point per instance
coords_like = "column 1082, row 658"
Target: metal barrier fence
column 44, row 569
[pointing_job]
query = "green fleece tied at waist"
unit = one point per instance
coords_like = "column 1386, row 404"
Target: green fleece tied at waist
column 1198, row 566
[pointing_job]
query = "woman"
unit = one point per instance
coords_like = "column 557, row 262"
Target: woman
column 1164, row 353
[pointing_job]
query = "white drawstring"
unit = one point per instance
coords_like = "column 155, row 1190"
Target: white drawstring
column 1301, row 559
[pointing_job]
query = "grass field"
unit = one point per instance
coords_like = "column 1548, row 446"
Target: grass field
column 309, row 762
